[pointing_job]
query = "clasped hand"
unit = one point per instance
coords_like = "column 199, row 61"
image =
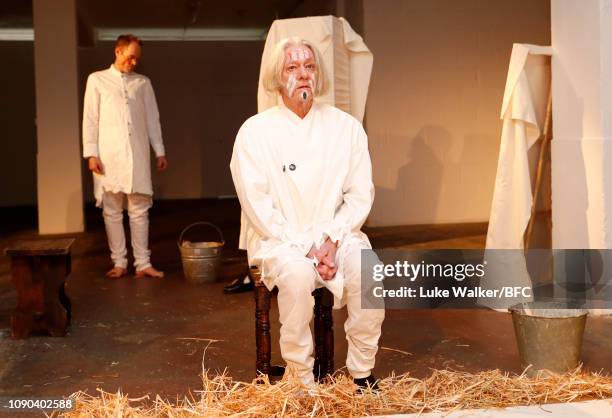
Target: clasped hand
column 326, row 255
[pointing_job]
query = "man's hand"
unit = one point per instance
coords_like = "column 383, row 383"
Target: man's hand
column 326, row 255
column 162, row 163
column 95, row 165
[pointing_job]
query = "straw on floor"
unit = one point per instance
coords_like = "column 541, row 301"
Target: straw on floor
column 444, row 390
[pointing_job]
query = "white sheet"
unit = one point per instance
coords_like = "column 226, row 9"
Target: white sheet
column 523, row 111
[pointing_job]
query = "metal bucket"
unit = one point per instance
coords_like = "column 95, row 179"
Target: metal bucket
column 548, row 335
column 201, row 259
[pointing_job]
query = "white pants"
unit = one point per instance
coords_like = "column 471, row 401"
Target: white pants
column 138, row 210
column 296, row 280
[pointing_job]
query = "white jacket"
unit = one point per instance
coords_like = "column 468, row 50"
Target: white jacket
column 301, row 180
column 120, row 119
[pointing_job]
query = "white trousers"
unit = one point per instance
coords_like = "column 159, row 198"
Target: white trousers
column 138, row 211
column 297, row 278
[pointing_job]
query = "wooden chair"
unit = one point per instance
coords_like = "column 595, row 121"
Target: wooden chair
column 323, row 327
column 39, row 270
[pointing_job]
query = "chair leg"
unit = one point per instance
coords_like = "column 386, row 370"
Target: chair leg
column 262, row 329
column 324, row 333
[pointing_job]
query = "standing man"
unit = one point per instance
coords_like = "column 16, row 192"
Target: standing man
column 120, row 120
column 303, row 175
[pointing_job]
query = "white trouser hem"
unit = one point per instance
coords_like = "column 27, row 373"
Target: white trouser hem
column 359, row 375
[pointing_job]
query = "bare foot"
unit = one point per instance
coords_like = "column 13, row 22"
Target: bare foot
column 116, row 272
column 149, row 272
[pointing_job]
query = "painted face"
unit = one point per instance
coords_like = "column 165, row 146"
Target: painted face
column 299, row 73
column 128, row 57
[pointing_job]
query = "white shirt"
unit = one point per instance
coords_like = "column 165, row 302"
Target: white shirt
column 120, row 119
column 301, row 180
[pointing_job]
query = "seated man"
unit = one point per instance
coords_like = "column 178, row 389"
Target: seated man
column 303, row 175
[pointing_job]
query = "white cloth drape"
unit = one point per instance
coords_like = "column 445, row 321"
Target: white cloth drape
column 523, row 110
column 346, row 58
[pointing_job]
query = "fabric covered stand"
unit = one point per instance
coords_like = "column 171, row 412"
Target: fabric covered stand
column 39, row 270
column 323, row 326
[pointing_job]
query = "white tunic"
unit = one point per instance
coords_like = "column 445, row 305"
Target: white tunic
column 300, row 181
column 120, row 119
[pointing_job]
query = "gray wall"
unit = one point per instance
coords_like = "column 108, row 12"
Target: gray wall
column 18, row 134
column 433, row 108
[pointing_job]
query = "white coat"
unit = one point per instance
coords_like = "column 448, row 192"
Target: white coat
column 300, row 181
column 120, row 120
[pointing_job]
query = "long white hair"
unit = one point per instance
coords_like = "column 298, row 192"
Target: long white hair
column 273, row 71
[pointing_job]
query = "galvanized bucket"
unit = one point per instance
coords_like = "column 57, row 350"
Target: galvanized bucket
column 548, row 335
column 201, row 259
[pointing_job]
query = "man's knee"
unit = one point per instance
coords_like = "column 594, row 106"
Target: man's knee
column 138, row 206
column 353, row 265
column 352, row 262
column 138, row 213
column 111, row 214
column 299, row 277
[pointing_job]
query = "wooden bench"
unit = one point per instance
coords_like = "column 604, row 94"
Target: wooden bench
column 39, row 269
column 323, row 327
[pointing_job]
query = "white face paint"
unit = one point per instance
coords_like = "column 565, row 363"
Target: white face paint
column 301, row 72
column 291, row 85
column 300, row 54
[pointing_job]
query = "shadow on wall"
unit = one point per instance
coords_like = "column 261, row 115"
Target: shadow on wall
column 442, row 180
column 417, row 189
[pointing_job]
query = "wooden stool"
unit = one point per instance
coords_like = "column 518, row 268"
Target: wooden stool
column 39, row 270
column 323, row 326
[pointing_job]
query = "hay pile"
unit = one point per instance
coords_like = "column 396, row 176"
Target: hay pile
column 444, row 390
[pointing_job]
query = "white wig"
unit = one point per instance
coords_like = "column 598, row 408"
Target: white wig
column 273, row 71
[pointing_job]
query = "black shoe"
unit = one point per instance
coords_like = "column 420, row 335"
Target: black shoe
column 241, row 284
column 367, row 382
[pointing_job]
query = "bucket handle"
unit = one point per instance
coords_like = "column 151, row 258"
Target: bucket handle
column 180, row 240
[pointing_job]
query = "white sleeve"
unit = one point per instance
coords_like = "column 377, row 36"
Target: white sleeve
column 152, row 118
column 358, row 192
column 252, row 187
column 91, row 118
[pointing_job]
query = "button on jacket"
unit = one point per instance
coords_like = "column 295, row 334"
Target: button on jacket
column 120, row 119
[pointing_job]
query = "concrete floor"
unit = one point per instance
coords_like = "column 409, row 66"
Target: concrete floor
column 150, row 336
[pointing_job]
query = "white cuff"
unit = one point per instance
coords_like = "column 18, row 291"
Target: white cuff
column 90, row 150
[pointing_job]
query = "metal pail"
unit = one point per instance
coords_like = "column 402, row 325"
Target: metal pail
column 548, row 335
column 201, row 259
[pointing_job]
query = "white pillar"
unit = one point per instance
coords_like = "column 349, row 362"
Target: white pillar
column 582, row 135
column 60, row 198
column 582, row 123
